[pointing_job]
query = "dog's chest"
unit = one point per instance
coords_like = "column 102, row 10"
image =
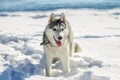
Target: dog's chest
column 57, row 50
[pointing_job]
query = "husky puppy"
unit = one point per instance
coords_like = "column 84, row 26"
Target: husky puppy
column 58, row 43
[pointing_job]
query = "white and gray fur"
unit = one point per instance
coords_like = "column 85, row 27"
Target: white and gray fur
column 60, row 30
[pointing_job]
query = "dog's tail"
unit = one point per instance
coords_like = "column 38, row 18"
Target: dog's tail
column 77, row 48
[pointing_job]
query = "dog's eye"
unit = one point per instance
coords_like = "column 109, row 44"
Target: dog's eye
column 54, row 29
column 62, row 29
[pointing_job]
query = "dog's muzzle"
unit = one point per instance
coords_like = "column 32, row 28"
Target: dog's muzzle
column 58, row 42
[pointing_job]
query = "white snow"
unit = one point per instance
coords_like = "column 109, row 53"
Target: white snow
column 97, row 32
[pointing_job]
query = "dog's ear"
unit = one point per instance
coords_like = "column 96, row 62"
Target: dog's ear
column 70, row 36
column 62, row 17
column 52, row 18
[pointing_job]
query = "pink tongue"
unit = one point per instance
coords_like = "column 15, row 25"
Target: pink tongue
column 58, row 43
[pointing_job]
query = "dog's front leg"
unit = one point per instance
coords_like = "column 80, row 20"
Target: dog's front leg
column 65, row 64
column 71, row 49
column 48, row 65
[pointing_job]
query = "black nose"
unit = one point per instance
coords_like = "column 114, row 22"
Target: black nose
column 59, row 37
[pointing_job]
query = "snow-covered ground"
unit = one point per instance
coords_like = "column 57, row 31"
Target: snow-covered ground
column 97, row 32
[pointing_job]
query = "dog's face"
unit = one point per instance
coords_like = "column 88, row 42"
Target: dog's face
column 57, row 31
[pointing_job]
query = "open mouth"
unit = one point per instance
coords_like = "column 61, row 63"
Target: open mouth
column 57, row 42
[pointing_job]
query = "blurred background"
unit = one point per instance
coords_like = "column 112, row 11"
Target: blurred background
column 43, row 5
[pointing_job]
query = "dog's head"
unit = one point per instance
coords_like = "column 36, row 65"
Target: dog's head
column 57, row 30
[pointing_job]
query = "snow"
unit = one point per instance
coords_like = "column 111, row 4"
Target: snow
column 97, row 32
